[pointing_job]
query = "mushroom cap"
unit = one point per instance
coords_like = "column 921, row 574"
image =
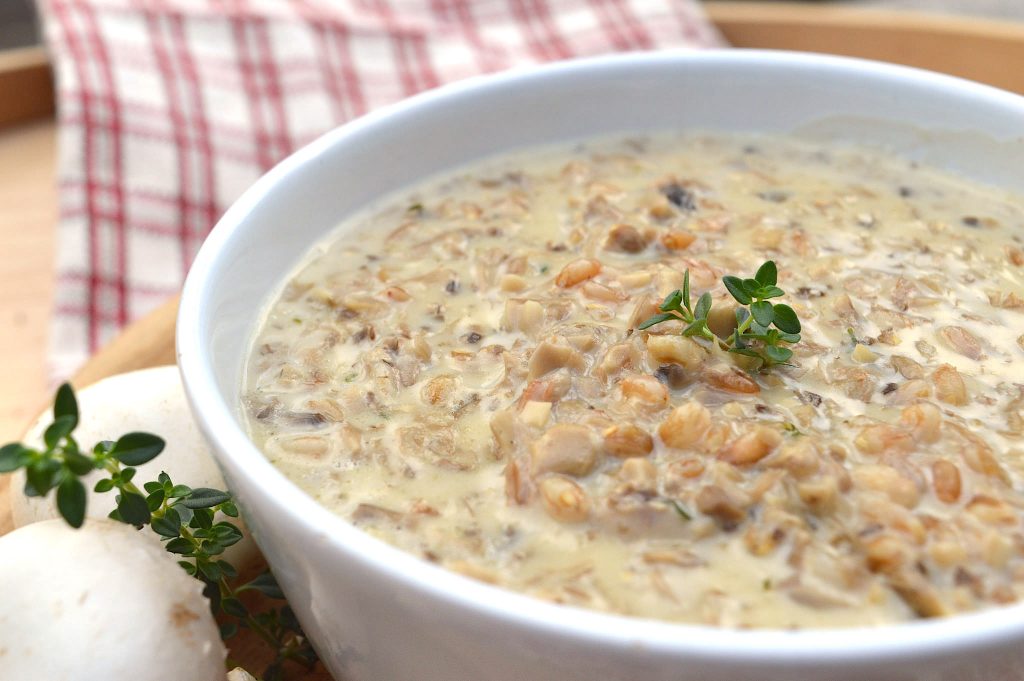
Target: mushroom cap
column 102, row 602
column 152, row 401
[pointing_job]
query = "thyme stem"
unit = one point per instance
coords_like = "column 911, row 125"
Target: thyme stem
column 754, row 335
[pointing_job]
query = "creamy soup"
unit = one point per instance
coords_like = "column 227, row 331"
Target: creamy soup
column 459, row 372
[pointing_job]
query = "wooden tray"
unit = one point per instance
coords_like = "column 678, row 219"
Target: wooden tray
column 979, row 49
column 971, row 48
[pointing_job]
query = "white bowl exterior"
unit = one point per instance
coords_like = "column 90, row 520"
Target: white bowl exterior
column 377, row 614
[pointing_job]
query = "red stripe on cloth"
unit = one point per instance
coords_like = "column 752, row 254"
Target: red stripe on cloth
column 261, row 137
column 340, row 103
column 168, row 229
column 538, row 48
column 97, row 186
column 205, row 186
column 631, row 25
column 144, row 131
column 350, row 77
column 274, row 93
column 325, row 62
column 157, row 114
column 64, row 16
column 453, row 11
column 460, row 12
column 427, row 75
column 552, row 34
column 79, row 277
column 182, row 145
column 226, row 78
column 218, row 70
column 396, row 37
column 112, row 102
column 688, row 25
column 339, row 80
column 104, row 319
column 609, row 26
column 470, row 24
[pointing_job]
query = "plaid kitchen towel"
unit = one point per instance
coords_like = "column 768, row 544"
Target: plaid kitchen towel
column 169, row 109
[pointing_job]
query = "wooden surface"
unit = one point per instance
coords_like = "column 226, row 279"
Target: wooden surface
column 28, row 212
column 26, row 85
column 982, row 50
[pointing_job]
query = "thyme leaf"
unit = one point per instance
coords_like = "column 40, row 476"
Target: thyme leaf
column 754, row 335
column 185, row 519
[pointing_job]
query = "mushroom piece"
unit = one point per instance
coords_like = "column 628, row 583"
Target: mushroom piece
column 730, row 380
column 718, row 504
column 949, row 385
column 625, row 239
column 105, row 601
column 550, row 356
column 962, row 341
column 565, row 448
column 577, row 271
column 564, row 500
column 751, row 447
column 676, row 349
column 522, row 315
column 685, row 426
column 157, row 406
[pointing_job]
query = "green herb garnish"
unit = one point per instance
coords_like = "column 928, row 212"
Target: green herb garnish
column 754, row 335
column 682, row 512
column 183, row 517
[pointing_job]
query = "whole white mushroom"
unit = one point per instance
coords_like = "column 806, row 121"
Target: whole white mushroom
column 152, row 401
column 102, row 602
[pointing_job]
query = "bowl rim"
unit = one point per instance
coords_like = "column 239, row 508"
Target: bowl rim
column 217, row 419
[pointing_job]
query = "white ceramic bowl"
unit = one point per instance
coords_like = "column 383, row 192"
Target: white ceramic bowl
column 378, row 614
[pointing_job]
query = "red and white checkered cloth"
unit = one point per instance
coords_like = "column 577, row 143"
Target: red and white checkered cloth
column 169, row 109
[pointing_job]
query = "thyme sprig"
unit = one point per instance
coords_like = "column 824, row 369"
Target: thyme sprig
column 183, row 517
column 763, row 329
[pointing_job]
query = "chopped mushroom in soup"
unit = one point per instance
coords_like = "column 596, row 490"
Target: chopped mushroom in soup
column 466, row 381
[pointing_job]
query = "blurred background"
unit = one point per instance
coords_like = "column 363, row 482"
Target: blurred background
column 998, row 9
column 18, row 26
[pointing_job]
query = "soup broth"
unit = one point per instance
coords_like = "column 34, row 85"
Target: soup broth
column 459, row 371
